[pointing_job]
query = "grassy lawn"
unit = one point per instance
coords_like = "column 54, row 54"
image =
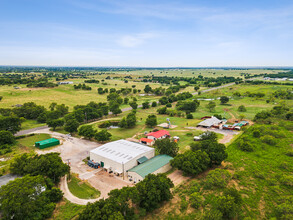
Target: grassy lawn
column 28, row 124
column 66, row 210
column 29, row 142
column 81, row 189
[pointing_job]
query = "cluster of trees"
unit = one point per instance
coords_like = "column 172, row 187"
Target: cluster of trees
column 92, row 81
column 174, row 98
column 279, row 111
column 167, row 146
column 29, row 197
column 129, row 121
column 89, row 132
column 203, row 154
column 128, row 202
column 187, row 106
column 284, row 94
column 170, row 112
column 48, row 165
column 82, row 86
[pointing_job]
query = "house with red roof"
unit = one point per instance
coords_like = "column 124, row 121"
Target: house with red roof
column 158, row 135
column 147, row 141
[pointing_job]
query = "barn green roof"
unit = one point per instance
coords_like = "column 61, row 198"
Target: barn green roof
column 151, row 165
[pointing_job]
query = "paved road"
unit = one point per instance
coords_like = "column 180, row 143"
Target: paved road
column 23, row 132
column 5, row 179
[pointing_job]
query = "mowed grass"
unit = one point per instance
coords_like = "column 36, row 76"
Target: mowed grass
column 29, row 142
column 82, row 190
column 29, row 124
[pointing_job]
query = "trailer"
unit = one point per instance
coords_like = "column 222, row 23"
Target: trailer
column 93, row 164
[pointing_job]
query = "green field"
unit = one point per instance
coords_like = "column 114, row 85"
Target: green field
column 66, row 210
column 81, row 189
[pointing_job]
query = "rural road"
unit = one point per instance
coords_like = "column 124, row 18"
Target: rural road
column 5, row 179
column 23, row 132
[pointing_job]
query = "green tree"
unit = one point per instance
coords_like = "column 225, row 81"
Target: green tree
column 217, row 178
column 55, row 123
column 211, row 106
column 49, row 165
column 190, row 162
column 224, row 99
column 126, row 100
column 145, row 105
column 1, row 97
column 103, row 135
column 6, row 137
column 166, row 146
column 25, row 198
column 147, row 89
column 151, row 121
column 196, row 88
column 241, row 108
column 71, row 125
column 114, row 98
column 154, row 190
column 114, row 108
column 188, row 105
column 87, row 131
column 133, row 104
column 10, row 123
column 154, row 104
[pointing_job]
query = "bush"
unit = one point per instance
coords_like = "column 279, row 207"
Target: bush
column 256, row 133
column 268, row 139
column 154, row 104
column 245, row 146
column 241, row 108
column 169, row 105
column 217, row 178
column 189, row 116
column 183, row 204
column 195, row 200
column 6, row 137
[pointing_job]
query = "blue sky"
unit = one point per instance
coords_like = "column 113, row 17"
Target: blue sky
column 153, row 33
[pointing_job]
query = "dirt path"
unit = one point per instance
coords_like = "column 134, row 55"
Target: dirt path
column 23, row 132
column 177, row 177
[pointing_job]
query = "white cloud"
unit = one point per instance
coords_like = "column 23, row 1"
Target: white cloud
column 135, row 40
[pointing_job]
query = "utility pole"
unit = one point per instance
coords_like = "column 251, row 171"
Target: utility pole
column 68, row 163
column 123, row 170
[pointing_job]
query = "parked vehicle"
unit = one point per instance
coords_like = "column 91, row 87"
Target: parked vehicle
column 93, row 164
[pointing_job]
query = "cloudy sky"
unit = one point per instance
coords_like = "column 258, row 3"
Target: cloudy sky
column 146, row 33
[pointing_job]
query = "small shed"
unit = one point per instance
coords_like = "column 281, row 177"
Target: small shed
column 47, row 143
column 155, row 165
column 149, row 142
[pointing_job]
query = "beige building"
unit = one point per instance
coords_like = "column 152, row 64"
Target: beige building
column 120, row 156
column 157, row 164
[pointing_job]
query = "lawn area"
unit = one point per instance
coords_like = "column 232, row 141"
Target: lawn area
column 66, row 210
column 28, row 124
column 82, row 189
column 29, row 141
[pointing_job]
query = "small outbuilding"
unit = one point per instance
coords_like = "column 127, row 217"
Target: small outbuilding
column 47, row 143
column 149, row 142
column 158, row 164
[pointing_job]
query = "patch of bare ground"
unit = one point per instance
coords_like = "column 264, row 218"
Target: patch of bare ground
column 177, row 177
column 32, row 89
column 261, row 208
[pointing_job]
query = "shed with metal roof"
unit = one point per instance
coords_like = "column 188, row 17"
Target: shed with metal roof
column 155, row 165
column 47, row 143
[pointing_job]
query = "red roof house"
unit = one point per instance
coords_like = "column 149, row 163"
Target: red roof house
column 158, row 134
column 147, row 141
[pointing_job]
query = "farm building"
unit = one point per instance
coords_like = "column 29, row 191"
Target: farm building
column 149, row 142
column 47, row 143
column 120, row 156
column 158, row 164
column 213, row 121
column 65, row 82
column 158, row 134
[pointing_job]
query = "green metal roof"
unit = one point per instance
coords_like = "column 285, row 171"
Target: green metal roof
column 151, row 165
column 142, row 159
column 51, row 140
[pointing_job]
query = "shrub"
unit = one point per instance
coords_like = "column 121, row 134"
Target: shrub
column 217, row 178
column 256, row 133
column 169, row 105
column 154, row 104
column 183, row 204
column 245, row 146
column 268, row 139
column 189, row 116
column 195, row 200
column 241, row 108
